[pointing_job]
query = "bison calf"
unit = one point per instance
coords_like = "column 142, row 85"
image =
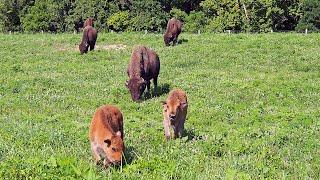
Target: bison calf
column 172, row 32
column 89, row 38
column 174, row 113
column 106, row 135
column 144, row 66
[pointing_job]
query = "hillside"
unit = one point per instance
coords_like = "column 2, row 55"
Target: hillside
column 253, row 106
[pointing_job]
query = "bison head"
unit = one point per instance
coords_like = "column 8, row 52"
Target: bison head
column 172, row 109
column 113, row 149
column 136, row 87
column 83, row 47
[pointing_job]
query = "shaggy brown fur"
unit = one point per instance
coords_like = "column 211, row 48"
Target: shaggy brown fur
column 89, row 38
column 175, row 112
column 88, row 22
column 144, row 66
column 106, row 135
column 172, row 32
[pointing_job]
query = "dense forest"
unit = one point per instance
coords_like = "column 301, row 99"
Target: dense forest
column 152, row 15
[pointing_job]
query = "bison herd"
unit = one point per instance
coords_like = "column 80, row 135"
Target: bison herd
column 106, row 129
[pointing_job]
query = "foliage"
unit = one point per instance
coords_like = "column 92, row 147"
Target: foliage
column 311, row 18
column 118, row 21
column 195, row 21
column 185, row 5
column 10, row 13
column 83, row 9
column 253, row 107
column 152, row 15
column 147, row 15
column 227, row 18
column 45, row 15
column 179, row 14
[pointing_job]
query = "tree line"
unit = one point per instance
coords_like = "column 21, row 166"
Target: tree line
column 152, row 15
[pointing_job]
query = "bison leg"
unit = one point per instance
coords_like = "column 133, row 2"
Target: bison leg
column 148, row 86
column 91, row 47
column 155, row 82
column 176, row 129
column 95, row 152
column 182, row 121
column 166, row 126
column 175, row 41
column 181, row 127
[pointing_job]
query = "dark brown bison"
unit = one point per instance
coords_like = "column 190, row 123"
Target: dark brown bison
column 172, row 32
column 88, row 22
column 144, row 66
column 89, row 38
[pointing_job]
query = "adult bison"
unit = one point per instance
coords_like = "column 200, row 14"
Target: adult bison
column 144, row 66
column 88, row 22
column 172, row 32
column 89, row 38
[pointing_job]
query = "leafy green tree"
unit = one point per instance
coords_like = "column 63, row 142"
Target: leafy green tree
column 185, row 5
column 10, row 13
column 223, row 15
column 285, row 14
column 311, row 17
column 82, row 9
column 195, row 21
column 45, row 15
column 147, row 15
column 179, row 14
column 118, row 21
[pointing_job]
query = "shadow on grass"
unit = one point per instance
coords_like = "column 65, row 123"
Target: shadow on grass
column 180, row 41
column 190, row 133
column 128, row 155
column 159, row 91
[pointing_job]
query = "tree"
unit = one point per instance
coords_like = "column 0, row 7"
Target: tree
column 82, row 9
column 45, row 15
column 147, row 15
column 311, row 17
column 10, row 13
column 223, row 15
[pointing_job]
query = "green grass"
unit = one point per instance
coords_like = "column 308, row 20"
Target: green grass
column 254, row 103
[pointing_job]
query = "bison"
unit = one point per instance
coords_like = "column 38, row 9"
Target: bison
column 144, row 66
column 106, row 135
column 172, row 32
column 89, row 38
column 174, row 113
column 88, row 22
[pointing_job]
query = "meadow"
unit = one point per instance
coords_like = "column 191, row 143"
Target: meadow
column 253, row 111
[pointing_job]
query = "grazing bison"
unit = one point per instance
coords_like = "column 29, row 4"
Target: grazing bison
column 106, row 135
column 175, row 112
column 88, row 22
column 89, row 38
column 172, row 32
column 144, row 66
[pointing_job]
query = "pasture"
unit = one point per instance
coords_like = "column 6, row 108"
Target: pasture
column 253, row 111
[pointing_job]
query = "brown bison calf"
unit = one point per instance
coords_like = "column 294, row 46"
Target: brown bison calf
column 172, row 32
column 89, row 38
column 144, row 66
column 174, row 113
column 88, row 22
column 106, row 135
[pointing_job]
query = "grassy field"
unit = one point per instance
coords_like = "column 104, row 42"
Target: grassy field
column 254, row 104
